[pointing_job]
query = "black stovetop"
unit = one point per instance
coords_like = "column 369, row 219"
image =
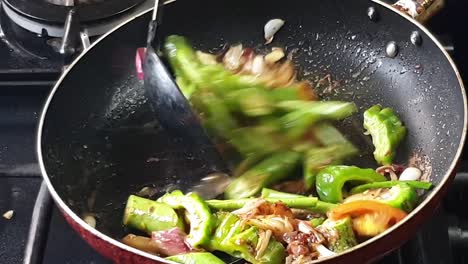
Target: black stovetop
column 38, row 233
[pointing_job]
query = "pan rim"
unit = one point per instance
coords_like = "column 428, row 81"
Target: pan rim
column 446, row 177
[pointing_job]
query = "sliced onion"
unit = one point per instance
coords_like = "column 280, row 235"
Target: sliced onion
column 323, row 251
column 305, row 228
column 270, row 29
column 263, row 241
column 258, row 65
column 232, row 58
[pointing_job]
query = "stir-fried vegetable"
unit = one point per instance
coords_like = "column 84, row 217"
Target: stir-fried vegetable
column 196, row 258
column 271, row 170
column 239, row 240
column 148, row 216
column 339, row 234
column 274, row 125
column 331, row 180
column 198, row 213
column 387, row 132
column 389, row 184
column 400, row 196
column 370, row 218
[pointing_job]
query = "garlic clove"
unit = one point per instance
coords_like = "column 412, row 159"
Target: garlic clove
column 410, row 174
column 270, row 29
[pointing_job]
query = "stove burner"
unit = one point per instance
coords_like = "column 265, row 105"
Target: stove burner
column 56, row 11
column 73, row 2
column 44, row 28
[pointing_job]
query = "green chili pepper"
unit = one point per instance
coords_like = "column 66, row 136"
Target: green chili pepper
column 336, row 148
column 389, row 184
column 199, row 215
column 271, row 170
column 387, row 132
column 239, row 240
column 251, row 101
column 218, row 118
column 400, row 195
column 292, row 202
column 250, row 141
column 148, row 215
column 196, row 258
column 331, row 180
column 318, row 207
column 303, row 114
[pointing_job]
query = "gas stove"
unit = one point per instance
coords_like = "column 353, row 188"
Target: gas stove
column 38, row 38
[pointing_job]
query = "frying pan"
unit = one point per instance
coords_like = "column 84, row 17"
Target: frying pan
column 98, row 141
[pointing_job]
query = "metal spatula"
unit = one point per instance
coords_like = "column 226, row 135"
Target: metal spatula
column 175, row 114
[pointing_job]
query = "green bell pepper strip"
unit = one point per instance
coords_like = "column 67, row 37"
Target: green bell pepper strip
column 339, row 234
column 400, row 195
column 387, row 132
column 319, row 207
column 271, row 170
column 251, row 101
column 389, row 184
column 329, row 135
column 148, row 215
column 196, row 258
column 185, row 86
column 336, row 148
column 250, row 141
column 303, row 114
column 331, row 180
column 293, row 202
column 239, row 240
column 219, row 119
column 199, row 215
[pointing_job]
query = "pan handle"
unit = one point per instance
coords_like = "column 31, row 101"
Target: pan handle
column 421, row 10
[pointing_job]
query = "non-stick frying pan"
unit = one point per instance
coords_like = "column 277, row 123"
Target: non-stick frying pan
column 98, row 141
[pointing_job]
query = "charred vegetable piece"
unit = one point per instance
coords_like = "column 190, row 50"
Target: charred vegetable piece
column 238, row 240
column 196, row 258
column 271, row 170
column 302, row 114
column 389, row 184
column 148, row 216
column 330, row 180
column 199, row 215
column 339, row 234
column 319, row 207
column 387, row 132
column 370, row 218
column 400, row 196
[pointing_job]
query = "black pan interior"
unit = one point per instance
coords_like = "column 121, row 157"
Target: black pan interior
column 100, row 141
